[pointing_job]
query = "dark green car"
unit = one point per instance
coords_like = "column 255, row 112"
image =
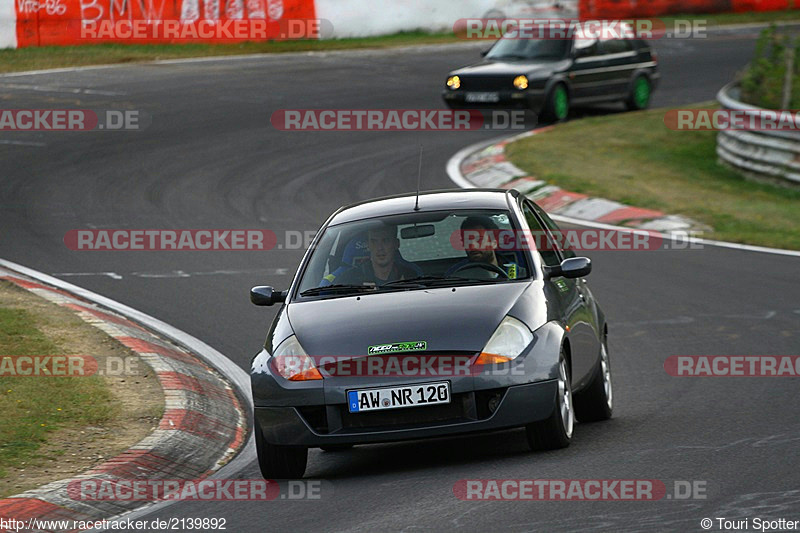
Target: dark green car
column 549, row 76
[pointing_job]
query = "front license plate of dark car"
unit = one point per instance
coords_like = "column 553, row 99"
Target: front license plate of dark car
column 359, row 401
column 483, row 97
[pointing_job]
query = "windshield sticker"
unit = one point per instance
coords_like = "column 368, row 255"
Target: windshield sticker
column 395, row 347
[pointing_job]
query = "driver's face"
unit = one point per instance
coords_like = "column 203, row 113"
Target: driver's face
column 383, row 245
column 480, row 250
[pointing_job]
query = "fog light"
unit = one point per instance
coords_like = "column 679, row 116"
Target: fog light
column 521, row 82
column 494, row 401
column 454, row 82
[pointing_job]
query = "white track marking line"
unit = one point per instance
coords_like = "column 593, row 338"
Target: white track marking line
column 22, row 143
column 56, row 89
column 177, row 273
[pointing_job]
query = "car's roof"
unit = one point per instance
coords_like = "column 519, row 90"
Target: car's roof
column 428, row 201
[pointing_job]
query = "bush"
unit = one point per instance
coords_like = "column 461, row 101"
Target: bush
column 762, row 83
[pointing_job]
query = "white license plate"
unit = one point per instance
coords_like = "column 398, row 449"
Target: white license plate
column 483, row 97
column 359, row 401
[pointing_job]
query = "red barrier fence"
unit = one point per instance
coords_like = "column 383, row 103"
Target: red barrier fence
column 70, row 22
column 592, row 9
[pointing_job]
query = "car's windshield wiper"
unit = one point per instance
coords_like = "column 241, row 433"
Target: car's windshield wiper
column 426, row 281
column 338, row 288
column 508, row 56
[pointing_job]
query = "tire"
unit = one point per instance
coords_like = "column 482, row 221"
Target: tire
column 596, row 402
column 556, row 108
column 556, row 431
column 336, row 447
column 640, row 92
column 279, row 462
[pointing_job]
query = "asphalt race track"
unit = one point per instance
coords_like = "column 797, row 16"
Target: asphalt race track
column 211, row 159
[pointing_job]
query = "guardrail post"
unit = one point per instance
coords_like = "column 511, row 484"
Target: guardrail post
column 787, row 81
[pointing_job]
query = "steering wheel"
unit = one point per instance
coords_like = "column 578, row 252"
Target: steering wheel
column 486, row 266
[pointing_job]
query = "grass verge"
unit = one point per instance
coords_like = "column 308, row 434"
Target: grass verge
column 101, row 54
column 57, row 426
column 32, row 406
column 635, row 159
column 727, row 19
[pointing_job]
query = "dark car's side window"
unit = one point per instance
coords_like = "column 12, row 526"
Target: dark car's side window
column 615, row 46
column 586, row 49
column 546, row 247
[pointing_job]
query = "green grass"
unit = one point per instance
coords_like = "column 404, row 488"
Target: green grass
column 635, row 159
column 33, row 407
column 763, row 81
column 75, row 56
column 726, row 19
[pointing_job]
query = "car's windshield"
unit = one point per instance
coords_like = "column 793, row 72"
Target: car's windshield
column 411, row 251
column 544, row 49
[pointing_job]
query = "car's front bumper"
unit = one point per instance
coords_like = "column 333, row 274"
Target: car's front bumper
column 533, row 99
column 331, row 424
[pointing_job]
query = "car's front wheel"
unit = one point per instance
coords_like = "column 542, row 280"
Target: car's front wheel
column 596, row 402
column 279, row 462
column 556, row 108
column 639, row 94
column 556, row 431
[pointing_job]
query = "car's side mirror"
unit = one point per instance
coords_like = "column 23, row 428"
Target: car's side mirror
column 576, row 267
column 265, row 295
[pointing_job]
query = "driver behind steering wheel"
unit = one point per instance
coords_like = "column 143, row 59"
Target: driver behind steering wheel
column 483, row 250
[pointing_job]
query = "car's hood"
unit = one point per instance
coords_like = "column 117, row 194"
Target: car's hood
column 447, row 320
column 511, row 68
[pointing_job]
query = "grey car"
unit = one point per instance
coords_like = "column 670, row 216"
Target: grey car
column 439, row 344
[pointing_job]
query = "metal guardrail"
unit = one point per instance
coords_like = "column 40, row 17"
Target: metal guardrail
column 760, row 154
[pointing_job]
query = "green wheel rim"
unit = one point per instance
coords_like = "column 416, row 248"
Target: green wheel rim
column 561, row 103
column 641, row 93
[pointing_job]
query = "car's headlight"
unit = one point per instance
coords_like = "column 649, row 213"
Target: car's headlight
column 454, row 82
column 291, row 361
column 521, row 82
column 508, row 341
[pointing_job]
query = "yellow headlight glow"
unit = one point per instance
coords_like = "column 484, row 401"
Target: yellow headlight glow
column 454, row 82
column 521, row 82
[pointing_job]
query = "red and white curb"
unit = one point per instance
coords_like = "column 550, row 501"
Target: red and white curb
column 488, row 167
column 203, row 427
column 484, row 165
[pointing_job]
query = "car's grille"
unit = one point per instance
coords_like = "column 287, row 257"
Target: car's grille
column 463, row 407
column 487, row 83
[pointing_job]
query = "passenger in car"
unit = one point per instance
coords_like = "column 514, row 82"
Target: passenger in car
column 477, row 252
